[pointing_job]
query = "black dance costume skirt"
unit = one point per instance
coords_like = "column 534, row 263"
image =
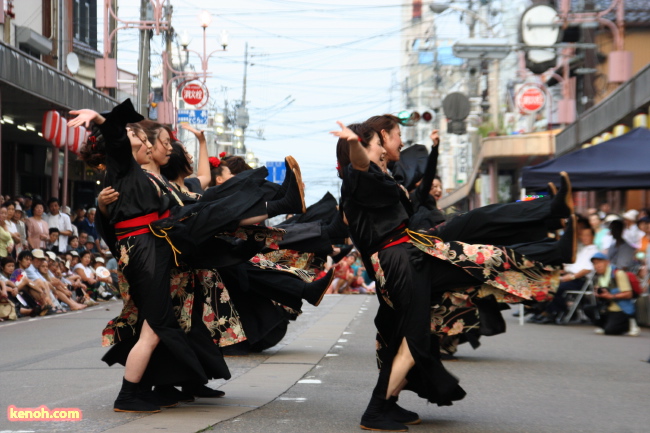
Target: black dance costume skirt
column 417, row 277
column 180, row 357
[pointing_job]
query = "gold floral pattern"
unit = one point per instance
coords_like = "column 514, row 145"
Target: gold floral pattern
column 219, row 314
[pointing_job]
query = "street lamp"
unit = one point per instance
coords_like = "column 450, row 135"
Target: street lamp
column 166, row 107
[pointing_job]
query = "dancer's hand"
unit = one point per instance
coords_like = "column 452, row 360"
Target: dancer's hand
column 435, row 137
column 106, row 196
column 345, row 133
column 84, row 117
column 198, row 133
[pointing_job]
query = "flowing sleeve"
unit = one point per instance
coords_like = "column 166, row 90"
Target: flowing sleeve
column 118, row 145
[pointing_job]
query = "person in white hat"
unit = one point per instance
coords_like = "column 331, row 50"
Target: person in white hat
column 632, row 234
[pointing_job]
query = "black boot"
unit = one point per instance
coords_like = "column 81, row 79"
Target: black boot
column 293, row 201
column 129, row 400
column 401, row 415
column 173, row 393
column 203, row 391
column 562, row 204
column 314, row 292
column 157, row 398
column 376, row 417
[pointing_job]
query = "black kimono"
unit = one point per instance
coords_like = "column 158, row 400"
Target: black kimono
column 146, row 261
column 414, row 271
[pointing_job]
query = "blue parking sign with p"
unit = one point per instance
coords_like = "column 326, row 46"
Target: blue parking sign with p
column 277, row 171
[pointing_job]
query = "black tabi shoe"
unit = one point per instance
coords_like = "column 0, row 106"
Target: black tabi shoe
column 160, row 400
column 173, row 393
column 562, row 205
column 314, row 292
column 401, row 415
column 293, row 201
column 377, row 418
column 297, row 174
column 284, row 187
column 345, row 250
column 203, row 391
column 568, row 243
column 129, row 400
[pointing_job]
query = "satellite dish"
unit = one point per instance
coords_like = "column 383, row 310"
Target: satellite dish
column 456, row 106
column 539, row 26
column 72, row 61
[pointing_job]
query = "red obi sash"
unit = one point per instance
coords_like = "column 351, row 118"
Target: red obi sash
column 139, row 224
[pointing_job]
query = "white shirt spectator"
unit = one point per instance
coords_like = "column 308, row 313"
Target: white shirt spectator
column 583, row 259
column 633, row 235
column 90, row 273
column 63, row 223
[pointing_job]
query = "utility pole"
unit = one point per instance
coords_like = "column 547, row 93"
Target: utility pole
column 242, row 111
column 143, row 63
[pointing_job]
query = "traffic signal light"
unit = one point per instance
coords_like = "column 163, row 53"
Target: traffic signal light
column 410, row 118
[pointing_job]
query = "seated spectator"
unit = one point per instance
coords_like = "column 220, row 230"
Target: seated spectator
column 631, row 233
column 35, row 285
column 25, row 304
column 602, row 238
column 88, row 226
column 53, row 242
column 6, row 240
column 81, row 247
column 613, row 291
column 7, row 306
column 74, row 259
column 88, row 277
column 620, row 253
column 91, row 245
column 103, row 275
column 343, row 276
column 573, row 279
column 60, row 290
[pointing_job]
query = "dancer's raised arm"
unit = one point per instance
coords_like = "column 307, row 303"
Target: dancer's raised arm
column 203, row 168
column 431, row 169
column 358, row 155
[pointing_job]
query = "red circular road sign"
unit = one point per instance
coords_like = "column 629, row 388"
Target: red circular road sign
column 193, row 94
column 530, row 99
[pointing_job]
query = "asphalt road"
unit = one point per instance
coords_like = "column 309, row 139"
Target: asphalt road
column 535, row 378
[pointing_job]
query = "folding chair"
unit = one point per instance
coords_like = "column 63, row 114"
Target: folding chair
column 587, row 289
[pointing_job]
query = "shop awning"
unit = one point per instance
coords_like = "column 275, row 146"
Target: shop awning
column 620, row 163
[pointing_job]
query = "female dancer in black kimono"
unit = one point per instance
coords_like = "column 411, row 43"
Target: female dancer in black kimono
column 145, row 261
column 412, row 272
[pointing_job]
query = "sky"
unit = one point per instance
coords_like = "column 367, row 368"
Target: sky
column 312, row 63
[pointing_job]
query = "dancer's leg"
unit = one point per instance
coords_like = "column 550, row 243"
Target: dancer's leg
column 136, row 362
column 402, row 364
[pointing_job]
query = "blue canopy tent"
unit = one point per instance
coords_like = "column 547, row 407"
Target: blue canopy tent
column 620, row 163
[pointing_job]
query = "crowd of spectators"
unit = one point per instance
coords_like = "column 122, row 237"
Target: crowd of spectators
column 613, row 255
column 51, row 262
